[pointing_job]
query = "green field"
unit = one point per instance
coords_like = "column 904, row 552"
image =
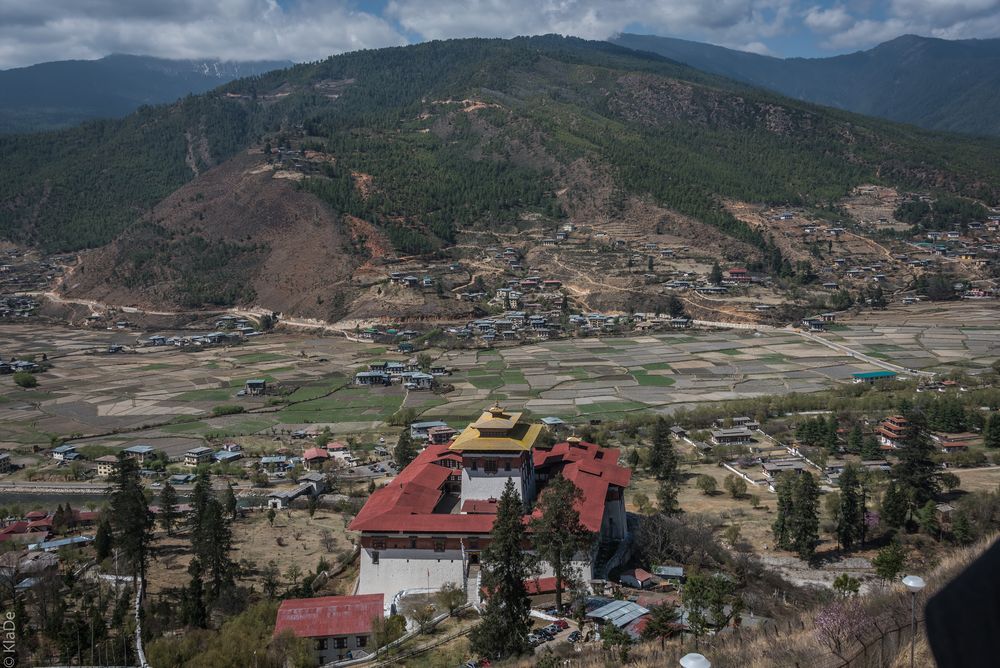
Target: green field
column 652, row 380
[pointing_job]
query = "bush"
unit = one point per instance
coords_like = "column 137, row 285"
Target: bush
column 25, row 379
column 227, row 409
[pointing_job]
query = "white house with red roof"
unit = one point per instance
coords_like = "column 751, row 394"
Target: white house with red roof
column 428, row 526
column 339, row 627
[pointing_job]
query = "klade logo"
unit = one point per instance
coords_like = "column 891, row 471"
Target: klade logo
column 9, row 640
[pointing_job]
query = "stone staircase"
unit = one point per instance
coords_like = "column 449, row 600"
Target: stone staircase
column 472, row 585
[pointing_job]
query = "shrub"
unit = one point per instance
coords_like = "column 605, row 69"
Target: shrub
column 25, row 379
column 227, row 409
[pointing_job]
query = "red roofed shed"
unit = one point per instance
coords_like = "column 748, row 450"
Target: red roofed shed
column 338, row 625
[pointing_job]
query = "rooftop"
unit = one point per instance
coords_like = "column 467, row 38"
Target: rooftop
column 329, row 615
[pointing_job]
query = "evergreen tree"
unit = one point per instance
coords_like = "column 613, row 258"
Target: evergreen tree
column 131, row 521
column 662, row 623
column 781, row 528
column 804, row 529
column 193, row 610
column 889, row 561
column 916, row 472
column 961, row 528
column 894, row 506
column 405, row 450
column 855, row 439
column 851, row 518
column 103, row 540
column 870, row 448
column 168, row 507
column 991, row 431
column 558, row 534
column 927, row 519
column 229, row 501
column 214, row 547
column 503, row 631
column 665, row 463
column 715, row 277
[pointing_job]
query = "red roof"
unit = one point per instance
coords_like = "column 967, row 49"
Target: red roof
column 336, row 445
column 36, row 515
column 737, row 270
column 329, row 615
column 639, row 574
column 488, row 507
column 541, row 585
column 407, row 503
column 315, row 453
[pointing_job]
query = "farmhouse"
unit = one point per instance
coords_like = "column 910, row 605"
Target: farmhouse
column 65, row 453
column 428, row 526
column 340, row 627
column 140, row 453
column 5, row 463
column 196, row 456
column 107, row 466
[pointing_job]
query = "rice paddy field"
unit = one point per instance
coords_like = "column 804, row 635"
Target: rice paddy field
column 166, row 395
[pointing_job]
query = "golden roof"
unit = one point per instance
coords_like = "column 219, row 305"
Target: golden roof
column 517, row 436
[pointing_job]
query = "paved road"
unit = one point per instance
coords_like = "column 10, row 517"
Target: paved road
column 839, row 347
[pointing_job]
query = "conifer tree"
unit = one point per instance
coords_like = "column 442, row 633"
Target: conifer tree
column 782, row 522
column 503, row 631
column 894, row 506
column 168, row 507
column 103, row 540
column 558, row 534
column 131, row 521
column 991, row 431
column 229, row 501
column 405, row 450
column 851, row 518
column 664, row 463
column 804, row 529
column 916, row 472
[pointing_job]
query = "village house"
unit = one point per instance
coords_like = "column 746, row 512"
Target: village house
column 65, row 453
column 197, row 456
column 419, row 430
column 140, row 453
column 872, row 377
column 5, row 463
column 255, row 387
column 949, row 443
column 107, row 466
column 429, row 525
column 637, row 578
column 338, row 627
column 315, row 458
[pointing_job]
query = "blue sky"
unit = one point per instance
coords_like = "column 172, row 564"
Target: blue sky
column 300, row 30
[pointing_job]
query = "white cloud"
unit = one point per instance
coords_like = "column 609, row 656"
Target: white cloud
column 832, row 19
column 947, row 19
column 228, row 29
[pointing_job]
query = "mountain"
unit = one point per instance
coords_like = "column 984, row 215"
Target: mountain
column 60, row 94
column 934, row 83
column 301, row 186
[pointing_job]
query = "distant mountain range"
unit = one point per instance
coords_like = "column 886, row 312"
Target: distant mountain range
column 60, row 94
column 934, row 83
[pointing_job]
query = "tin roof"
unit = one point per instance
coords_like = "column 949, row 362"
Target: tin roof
column 329, row 615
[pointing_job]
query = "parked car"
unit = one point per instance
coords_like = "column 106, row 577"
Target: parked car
column 574, row 637
column 553, row 629
column 561, row 623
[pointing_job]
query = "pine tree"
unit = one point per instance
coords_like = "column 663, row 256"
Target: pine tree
column 927, row 519
column 855, row 439
column 961, row 528
column 503, row 631
column 715, row 277
column 405, row 450
column 991, row 431
column 214, row 547
column 229, row 501
column 781, row 528
column 131, row 520
column 916, row 472
column 894, row 506
column 558, row 535
column 193, row 610
column 851, row 518
column 168, row 507
column 103, row 540
column 664, row 463
column 804, row 529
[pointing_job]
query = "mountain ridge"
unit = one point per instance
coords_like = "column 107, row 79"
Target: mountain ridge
column 934, row 83
column 60, row 94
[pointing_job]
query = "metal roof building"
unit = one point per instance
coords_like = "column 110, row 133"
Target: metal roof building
column 619, row 613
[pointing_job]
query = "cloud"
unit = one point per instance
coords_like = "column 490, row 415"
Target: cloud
column 227, row 29
column 834, row 19
column 947, row 19
column 729, row 22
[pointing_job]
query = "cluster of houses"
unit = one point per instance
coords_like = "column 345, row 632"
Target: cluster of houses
column 16, row 306
column 408, row 374
column 201, row 340
column 15, row 365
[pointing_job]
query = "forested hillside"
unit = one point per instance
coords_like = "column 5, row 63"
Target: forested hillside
column 459, row 134
column 934, row 83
